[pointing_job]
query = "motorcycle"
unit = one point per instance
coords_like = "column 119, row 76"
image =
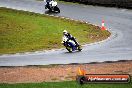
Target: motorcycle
column 71, row 45
column 52, row 6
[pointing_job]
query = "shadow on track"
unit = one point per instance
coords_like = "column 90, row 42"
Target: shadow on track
column 51, row 12
column 72, row 52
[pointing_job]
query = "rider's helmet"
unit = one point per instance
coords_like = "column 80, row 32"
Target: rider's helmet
column 65, row 32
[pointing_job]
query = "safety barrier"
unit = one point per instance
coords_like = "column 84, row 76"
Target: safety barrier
column 110, row 3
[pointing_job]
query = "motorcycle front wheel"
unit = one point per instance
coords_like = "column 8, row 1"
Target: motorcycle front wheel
column 79, row 48
column 69, row 49
column 57, row 9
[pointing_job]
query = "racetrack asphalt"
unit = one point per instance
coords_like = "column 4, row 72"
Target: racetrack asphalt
column 117, row 47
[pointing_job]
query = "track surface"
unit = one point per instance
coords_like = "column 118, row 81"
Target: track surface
column 117, row 47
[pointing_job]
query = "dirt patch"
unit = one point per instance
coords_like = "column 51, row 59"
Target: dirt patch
column 60, row 72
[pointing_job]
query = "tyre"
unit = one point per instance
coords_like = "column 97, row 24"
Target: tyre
column 69, row 49
column 57, row 9
column 79, row 48
column 81, row 79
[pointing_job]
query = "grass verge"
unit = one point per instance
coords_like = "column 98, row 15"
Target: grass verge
column 22, row 31
column 66, row 84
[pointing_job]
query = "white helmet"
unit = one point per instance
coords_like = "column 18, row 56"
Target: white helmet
column 65, row 32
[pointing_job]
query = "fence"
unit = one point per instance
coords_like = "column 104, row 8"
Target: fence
column 111, row 3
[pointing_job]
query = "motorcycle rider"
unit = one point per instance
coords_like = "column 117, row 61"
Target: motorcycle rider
column 69, row 37
column 47, row 1
column 51, row 3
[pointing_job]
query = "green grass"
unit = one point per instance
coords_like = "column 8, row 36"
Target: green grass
column 22, row 31
column 66, row 84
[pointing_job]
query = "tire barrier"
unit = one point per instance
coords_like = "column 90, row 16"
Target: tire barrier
column 107, row 3
column 103, row 78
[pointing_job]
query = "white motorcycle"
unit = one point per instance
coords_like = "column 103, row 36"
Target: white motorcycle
column 52, row 6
